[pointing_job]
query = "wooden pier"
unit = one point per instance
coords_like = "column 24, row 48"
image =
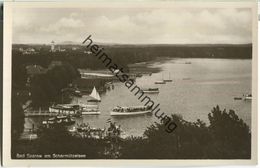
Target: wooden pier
column 35, row 113
column 105, row 75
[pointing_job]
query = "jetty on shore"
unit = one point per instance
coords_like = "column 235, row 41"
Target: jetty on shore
column 38, row 113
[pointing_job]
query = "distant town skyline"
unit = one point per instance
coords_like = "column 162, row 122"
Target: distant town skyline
column 133, row 25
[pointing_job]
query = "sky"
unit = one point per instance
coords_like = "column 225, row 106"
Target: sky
column 133, row 25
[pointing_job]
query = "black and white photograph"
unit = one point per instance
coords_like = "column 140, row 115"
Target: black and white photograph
column 130, row 81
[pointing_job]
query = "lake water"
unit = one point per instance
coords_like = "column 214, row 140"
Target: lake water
column 195, row 90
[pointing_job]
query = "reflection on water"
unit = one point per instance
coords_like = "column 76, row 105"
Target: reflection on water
column 195, row 90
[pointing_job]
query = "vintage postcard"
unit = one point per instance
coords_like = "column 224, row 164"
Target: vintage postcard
column 130, row 83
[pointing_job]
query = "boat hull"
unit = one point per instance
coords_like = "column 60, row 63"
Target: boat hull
column 248, row 98
column 90, row 113
column 113, row 113
column 147, row 91
column 237, row 98
column 93, row 100
column 59, row 124
column 159, row 82
column 64, row 111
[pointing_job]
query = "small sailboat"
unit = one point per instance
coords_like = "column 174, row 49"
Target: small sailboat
column 248, row 97
column 94, row 96
column 160, row 81
column 168, row 80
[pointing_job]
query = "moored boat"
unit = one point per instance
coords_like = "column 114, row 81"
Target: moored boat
column 84, row 130
column 94, row 96
column 94, row 111
column 237, row 98
column 133, row 110
column 89, row 105
column 168, row 80
column 151, row 90
column 89, row 109
column 59, row 120
column 248, row 97
column 65, row 109
column 160, row 82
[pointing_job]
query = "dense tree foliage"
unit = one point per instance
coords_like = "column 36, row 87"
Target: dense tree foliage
column 17, row 118
column 227, row 137
column 230, row 133
column 19, row 77
column 47, row 88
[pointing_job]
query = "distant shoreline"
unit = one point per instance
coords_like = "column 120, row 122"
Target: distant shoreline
column 139, row 53
column 137, row 45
